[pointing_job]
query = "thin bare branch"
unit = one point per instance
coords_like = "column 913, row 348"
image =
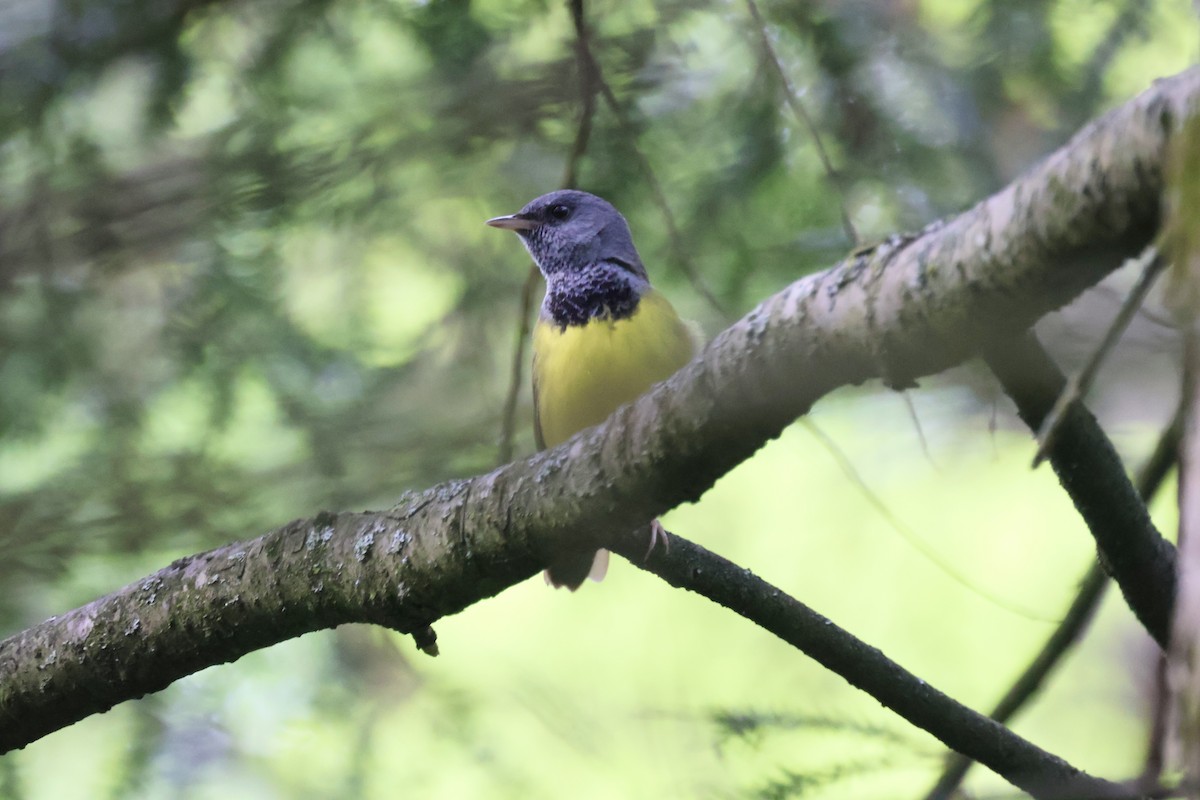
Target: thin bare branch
column 1183, row 657
column 588, row 80
column 1081, row 381
column 517, row 371
column 1160, row 715
column 911, row 407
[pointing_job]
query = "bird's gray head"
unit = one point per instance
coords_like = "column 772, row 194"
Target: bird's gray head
column 570, row 231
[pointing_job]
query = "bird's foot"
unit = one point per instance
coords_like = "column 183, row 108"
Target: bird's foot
column 657, row 534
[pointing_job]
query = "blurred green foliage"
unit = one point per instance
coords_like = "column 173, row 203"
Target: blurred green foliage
column 244, row 277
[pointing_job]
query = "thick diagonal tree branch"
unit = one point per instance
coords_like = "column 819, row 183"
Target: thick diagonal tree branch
column 909, row 308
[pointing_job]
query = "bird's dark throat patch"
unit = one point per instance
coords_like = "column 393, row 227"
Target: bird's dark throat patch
column 587, row 295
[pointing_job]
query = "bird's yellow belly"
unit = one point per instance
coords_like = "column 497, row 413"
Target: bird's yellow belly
column 582, row 373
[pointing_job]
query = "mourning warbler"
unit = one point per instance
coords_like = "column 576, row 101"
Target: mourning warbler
column 604, row 334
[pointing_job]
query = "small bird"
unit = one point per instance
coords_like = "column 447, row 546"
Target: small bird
column 603, row 337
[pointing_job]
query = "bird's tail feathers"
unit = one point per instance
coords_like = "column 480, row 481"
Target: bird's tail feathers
column 571, row 571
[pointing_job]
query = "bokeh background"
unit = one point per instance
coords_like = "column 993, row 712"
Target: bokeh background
column 244, row 277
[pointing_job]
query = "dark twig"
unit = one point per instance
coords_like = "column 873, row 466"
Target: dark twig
column 1165, row 455
column 1131, row 22
column 1074, row 623
column 1131, row 549
column 583, row 134
column 916, row 421
column 1182, row 247
column 587, row 93
column 689, row 566
column 1151, row 317
column 1182, row 670
column 1159, row 698
column 1080, row 382
column 793, row 100
column 508, row 424
column 1160, row 716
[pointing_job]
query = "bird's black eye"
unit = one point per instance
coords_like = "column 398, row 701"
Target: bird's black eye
column 559, row 211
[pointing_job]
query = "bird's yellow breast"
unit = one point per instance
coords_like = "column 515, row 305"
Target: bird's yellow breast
column 582, row 373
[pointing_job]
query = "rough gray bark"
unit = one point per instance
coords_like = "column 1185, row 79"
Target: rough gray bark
column 910, row 307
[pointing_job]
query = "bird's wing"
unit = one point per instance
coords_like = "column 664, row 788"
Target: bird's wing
column 537, row 416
